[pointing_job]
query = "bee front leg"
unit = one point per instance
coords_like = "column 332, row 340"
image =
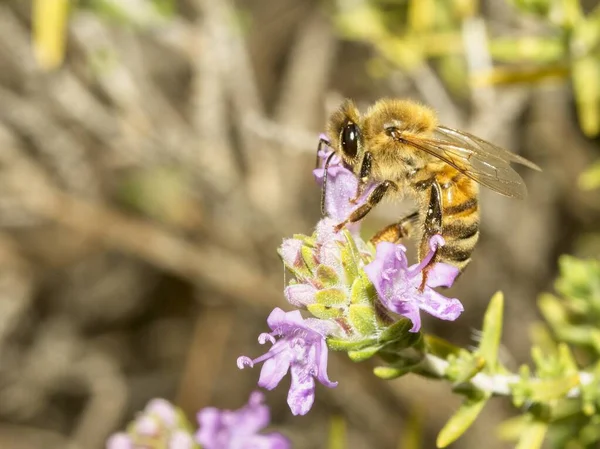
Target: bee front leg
column 363, row 176
column 373, row 199
column 397, row 231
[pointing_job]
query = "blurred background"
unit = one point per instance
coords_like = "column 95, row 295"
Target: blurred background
column 154, row 153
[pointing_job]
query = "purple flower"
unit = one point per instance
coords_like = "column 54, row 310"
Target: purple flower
column 238, row 429
column 298, row 346
column 341, row 188
column 399, row 286
column 156, row 427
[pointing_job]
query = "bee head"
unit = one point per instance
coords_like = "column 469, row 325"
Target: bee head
column 344, row 132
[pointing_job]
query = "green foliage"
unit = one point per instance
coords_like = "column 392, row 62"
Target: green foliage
column 462, row 419
column 409, row 34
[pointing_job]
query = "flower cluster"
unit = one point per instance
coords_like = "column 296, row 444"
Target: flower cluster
column 239, row 429
column 352, row 293
column 162, row 426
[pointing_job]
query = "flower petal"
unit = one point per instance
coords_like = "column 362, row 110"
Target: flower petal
column 411, row 311
column 273, row 370
column 302, row 391
column 164, row 410
column 269, row 441
column 440, row 306
column 442, row 275
column 119, row 441
column 210, row 420
column 321, row 357
column 181, row 440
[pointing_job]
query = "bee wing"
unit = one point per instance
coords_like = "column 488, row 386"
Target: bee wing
column 485, row 163
column 482, row 147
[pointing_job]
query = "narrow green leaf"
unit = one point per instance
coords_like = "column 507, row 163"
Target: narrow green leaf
column 49, row 24
column 363, row 354
column 541, row 50
column 337, row 433
column 552, row 310
column 512, row 428
column 460, row 421
column 412, row 436
column 394, row 371
column 440, row 347
column 362, row 318
column 533, row 435
column 421, row 15
column 586, row 86
column 590, row 178
column 492, row 331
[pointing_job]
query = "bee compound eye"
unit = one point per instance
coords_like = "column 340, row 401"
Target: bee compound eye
column 350, row 139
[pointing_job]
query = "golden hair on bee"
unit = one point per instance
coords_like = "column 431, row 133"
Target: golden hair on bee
column 400, row 146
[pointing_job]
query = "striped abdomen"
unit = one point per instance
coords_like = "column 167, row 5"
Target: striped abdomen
column 460, row 218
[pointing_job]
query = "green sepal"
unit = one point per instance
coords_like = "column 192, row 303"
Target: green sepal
column 491, row 332
column 397, row 370
column 324, row 312
column 331, row 297
column 464, row 367
column 533, row 435
column 461, row 420
column 327, row 276
column 337, row 344
column 308, row 255
column 440, row 347
column 397, row 331
column 362, row 318
column 350, row 257
column 361, row 355
column 363, row 291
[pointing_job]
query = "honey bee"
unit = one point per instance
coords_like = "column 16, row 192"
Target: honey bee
column 400, row 146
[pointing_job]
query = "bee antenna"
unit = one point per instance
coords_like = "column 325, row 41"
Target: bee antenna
column 324, row 188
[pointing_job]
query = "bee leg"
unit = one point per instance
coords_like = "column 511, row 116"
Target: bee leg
column 322, row 142
column 432, row 226
column 363, row 176
column 374, row 198
column 397, row 231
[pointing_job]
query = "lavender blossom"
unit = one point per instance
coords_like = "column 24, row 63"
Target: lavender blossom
column 342, row 187
column 400, row 288
column 238, row 429
column 298, row 346
column 157, row 427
